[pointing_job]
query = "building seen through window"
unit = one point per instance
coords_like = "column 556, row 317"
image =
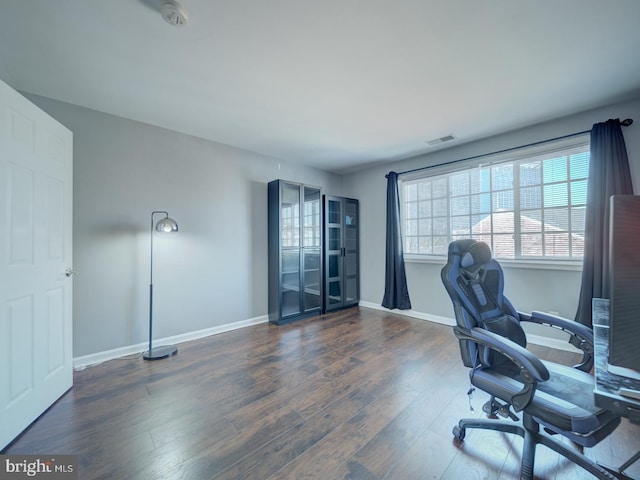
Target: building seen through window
column 532, row 207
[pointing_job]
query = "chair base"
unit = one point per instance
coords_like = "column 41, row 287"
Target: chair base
column 530, row 432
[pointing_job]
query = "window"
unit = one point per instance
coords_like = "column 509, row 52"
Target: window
column 530, row 207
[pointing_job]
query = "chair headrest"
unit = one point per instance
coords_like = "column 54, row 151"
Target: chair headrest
column 476, row 256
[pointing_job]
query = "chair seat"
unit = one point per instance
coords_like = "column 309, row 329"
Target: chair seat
column 563, row 404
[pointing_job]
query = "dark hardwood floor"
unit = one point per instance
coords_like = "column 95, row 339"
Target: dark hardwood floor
column 359, row 394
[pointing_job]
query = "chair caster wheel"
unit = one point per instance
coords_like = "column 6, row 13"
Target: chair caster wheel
column 458, row 433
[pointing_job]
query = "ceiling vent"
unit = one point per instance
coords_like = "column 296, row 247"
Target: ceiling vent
column 174, row 13
column 440, row 140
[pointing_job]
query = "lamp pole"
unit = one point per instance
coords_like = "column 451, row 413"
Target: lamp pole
column 166, row 225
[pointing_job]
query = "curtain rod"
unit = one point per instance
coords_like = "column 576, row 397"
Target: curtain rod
column 625, row 123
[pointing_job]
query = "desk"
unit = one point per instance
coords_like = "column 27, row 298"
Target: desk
column 607, row 384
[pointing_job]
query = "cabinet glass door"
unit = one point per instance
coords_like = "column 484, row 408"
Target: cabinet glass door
column 312, row 216
column 334, row 252
column 290, row 216
column 290, row 282
column 312, row 278
column 334, row 280
column 311, row 222
column 350, row 232
column 290, row 253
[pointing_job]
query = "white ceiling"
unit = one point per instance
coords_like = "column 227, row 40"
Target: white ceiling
column 335, row 84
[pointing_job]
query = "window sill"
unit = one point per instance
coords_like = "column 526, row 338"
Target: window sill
column 566, row 265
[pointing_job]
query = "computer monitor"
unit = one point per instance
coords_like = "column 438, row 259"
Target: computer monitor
column 624, row 286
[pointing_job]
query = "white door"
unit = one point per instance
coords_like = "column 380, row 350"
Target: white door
column 35, row 251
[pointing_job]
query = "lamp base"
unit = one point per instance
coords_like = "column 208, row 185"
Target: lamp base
column 158, row 353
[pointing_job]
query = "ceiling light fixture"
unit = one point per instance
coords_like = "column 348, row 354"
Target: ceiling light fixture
column 174, row 13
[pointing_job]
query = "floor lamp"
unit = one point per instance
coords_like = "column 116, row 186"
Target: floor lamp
column 164, row 225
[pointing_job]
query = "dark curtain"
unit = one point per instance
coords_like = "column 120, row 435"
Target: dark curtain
column 396, row 294
column 609, row 174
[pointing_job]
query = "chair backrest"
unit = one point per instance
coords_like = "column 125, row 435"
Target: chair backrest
column 475, row 282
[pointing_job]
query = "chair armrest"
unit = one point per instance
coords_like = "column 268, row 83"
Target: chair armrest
column 516, row 353
column 580, row 335
column 565, row 324
column 532, row 370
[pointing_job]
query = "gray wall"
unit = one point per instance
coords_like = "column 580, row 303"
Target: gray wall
column 212, row 273
column 4, row 73
column 529, row 289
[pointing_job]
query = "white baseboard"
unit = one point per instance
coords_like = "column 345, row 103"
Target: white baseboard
column 79, row 363
column 556, row 343
column 411, row 313
column 84, row 361
column 541, row 340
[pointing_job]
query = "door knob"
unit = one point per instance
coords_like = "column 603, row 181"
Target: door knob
column 69, row 272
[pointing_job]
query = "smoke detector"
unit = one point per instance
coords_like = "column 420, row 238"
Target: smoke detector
column 174, row 13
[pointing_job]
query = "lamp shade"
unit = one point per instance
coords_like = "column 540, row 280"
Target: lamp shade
column 167, row 225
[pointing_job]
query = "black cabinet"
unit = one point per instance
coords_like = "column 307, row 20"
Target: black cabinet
column 294, row 251
column 341, row 253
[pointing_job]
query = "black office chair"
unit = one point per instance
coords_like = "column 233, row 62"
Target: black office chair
column 492, row 344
